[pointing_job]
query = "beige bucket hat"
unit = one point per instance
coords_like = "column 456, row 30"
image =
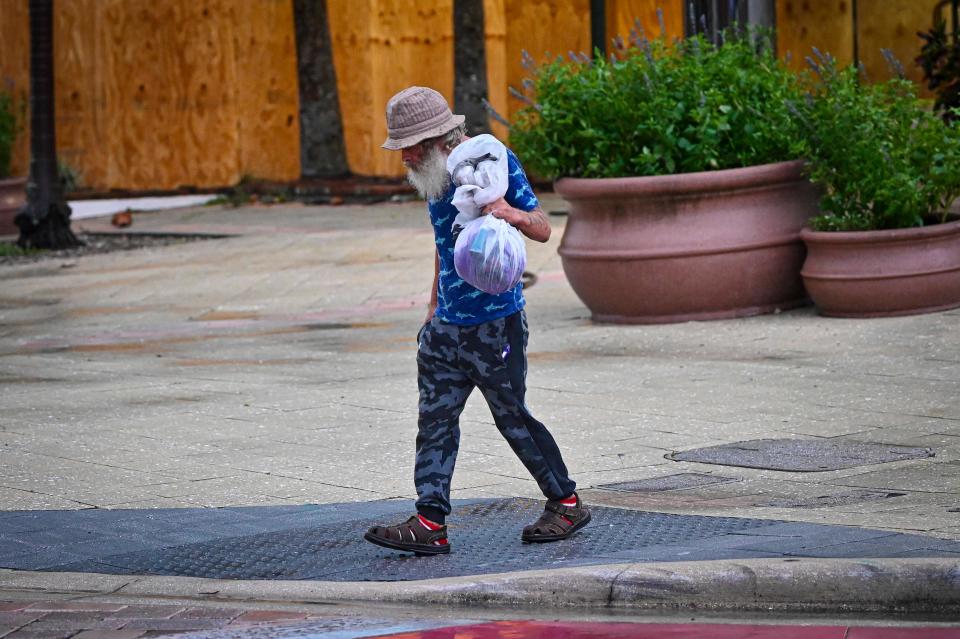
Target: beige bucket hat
column 416, row 114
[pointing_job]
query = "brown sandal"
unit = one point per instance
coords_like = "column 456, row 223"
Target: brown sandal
column 557, row 522
column 411, row 536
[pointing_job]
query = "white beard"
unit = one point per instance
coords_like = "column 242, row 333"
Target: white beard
column 430, row 178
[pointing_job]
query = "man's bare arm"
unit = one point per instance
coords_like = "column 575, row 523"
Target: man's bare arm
column 533, row 223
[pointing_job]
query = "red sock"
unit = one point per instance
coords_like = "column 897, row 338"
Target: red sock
column 569, row 501
column 429, row 525
column 432, row 525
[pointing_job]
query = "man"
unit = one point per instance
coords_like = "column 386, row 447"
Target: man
column 469, row 339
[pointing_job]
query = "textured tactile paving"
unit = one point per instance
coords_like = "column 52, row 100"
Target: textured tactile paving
column 325, row 542
column 680, row 481
column 800, row 455
column 485, row 538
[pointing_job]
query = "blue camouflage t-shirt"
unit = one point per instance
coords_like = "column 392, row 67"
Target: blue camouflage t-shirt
column 457, row 301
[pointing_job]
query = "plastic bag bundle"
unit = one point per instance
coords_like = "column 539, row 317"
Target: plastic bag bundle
column 478, row 169
column 490, row 255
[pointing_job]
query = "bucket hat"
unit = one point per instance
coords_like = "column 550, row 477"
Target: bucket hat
column 416, row 114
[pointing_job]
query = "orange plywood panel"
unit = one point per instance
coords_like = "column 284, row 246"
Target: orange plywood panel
column 411, row 44
column 80, row 101
column 15, row 70
column 381, row 47
column 266, row 89
column 349, row 36
column 893, row 25
column 825, row 24
column 622, row 14
column 545, row 29
column 169, row 85
column 495, row 41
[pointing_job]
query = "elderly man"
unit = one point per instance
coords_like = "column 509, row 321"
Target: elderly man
column 469, row 339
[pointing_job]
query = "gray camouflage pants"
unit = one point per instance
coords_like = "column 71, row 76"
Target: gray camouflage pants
column 451, row 361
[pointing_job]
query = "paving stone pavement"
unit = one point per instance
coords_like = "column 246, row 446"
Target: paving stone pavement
column 276, row 368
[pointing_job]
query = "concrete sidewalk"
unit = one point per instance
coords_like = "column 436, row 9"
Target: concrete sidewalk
column 275, row 368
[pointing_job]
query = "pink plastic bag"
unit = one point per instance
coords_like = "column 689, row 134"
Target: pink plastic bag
column 490, row 255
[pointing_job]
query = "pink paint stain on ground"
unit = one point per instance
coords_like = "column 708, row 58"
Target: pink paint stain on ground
column 561, row 630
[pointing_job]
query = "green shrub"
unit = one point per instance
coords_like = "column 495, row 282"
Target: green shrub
column 940, row 60
column 659, row 107
column 885, row 161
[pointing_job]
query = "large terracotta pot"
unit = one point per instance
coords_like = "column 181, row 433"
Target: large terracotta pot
column 13, row 195
column 884, row 273
column 693, row 246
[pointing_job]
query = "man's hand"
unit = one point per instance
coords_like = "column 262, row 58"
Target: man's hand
column 533, row 223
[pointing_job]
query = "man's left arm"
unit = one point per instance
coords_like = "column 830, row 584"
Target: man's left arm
column 532, row 223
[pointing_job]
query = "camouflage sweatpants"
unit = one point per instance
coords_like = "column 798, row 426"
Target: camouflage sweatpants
column 451, row 361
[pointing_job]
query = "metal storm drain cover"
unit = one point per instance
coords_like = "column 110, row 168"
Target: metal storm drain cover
column 680, row 481
column 800, row 455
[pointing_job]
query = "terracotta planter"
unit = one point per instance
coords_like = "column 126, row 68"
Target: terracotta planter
column 884, row 273
column 13, row 195
column 694, row 246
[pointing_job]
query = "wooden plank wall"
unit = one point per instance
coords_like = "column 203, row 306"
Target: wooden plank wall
column 155, row 95
column 379, row 48
column 829, row 26
column 14, row 69
column 383, row 46
column 894, row 27
column 622, row 14
column 158, row 95
column 824, row 24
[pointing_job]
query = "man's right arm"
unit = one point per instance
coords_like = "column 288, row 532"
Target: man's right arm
column 432, row 306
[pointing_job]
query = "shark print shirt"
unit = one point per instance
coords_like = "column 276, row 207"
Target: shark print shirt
column 457, row 301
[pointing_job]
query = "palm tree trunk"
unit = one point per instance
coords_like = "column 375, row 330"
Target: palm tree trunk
column 44, row 221
column 598, row 28
column 470, row 65
column 322, row 151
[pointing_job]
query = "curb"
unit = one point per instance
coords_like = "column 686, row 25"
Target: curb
column 791, row 585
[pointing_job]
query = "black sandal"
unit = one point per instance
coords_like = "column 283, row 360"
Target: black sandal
column 557, row 522
column 411, row 536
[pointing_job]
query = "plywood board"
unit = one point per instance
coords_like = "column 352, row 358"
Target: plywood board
column 349, row 35
column 381, row 47
column 825, row 24
column 170, row 72
column 411, row 44
column 266, row 89
column 158, row 95
column 81, row 107
column 893, row 25
column 495, row 24
column 545, row 29
column 622, row 15
column 15, row 71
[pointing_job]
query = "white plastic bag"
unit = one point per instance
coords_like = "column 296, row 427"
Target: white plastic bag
column 478, row 169
column 490, row 255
